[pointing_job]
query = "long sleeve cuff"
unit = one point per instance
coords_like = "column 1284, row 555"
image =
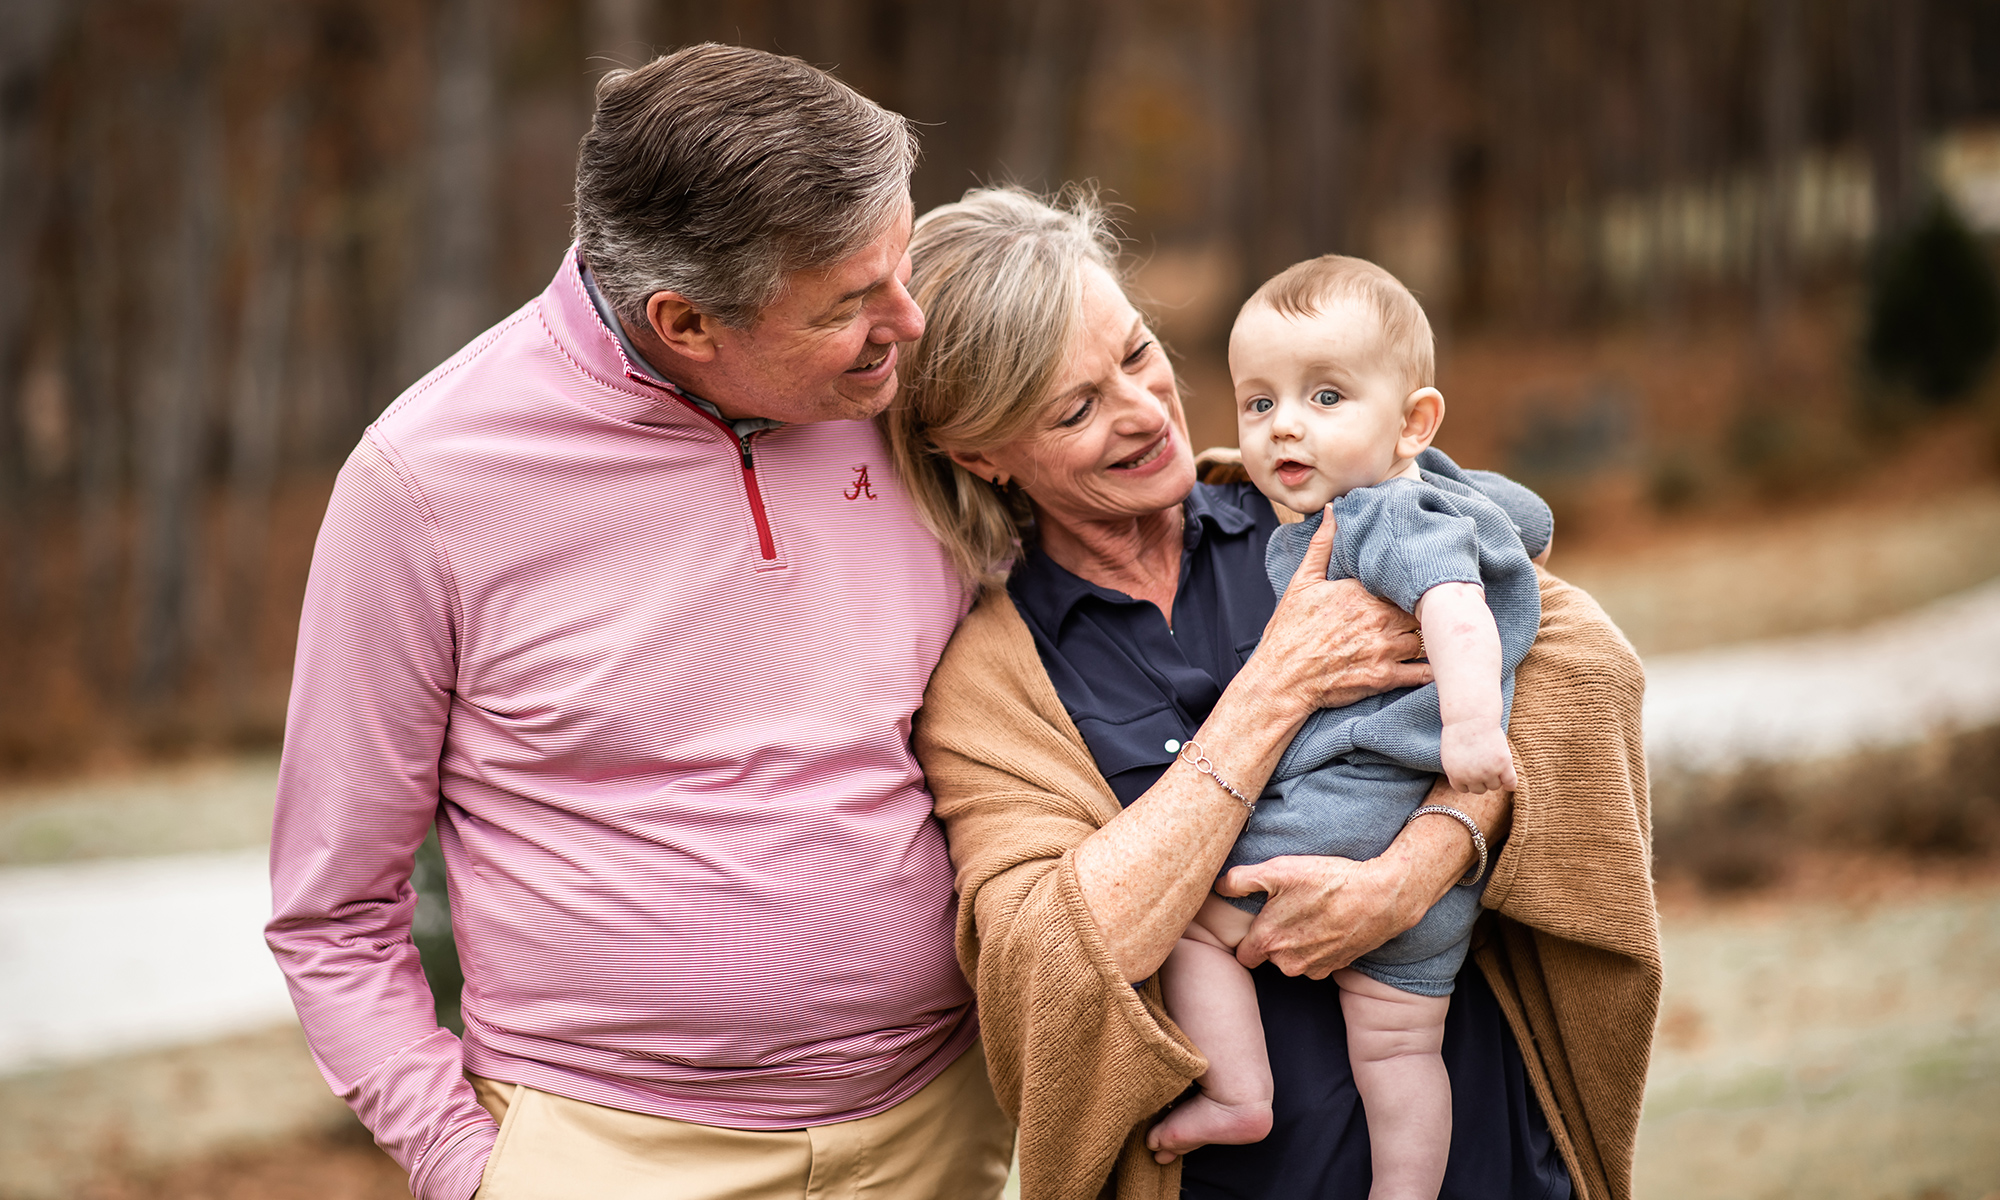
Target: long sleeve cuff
column 454, row 1170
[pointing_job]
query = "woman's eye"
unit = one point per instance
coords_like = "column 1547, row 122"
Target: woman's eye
column 1138, row 353
column 1077, row 415
column 1326, row 397
column 1261, row 404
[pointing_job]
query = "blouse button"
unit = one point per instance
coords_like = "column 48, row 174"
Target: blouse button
column 1173, row 747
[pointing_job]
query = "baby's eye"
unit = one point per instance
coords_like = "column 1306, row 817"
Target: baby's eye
column 1261, row 404
column 1326, row 397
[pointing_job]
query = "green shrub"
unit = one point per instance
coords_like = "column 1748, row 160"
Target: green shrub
column 431, row 930
column 1933, row 308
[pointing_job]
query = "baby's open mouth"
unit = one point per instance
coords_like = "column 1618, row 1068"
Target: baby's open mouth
column 1151, row 453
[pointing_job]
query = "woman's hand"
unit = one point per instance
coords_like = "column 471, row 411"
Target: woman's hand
column 1330, row 643
column 1147, row 871
column 1326, row 912
column 1323, row 912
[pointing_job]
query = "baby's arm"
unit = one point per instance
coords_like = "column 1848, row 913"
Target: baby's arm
column 1463, row 645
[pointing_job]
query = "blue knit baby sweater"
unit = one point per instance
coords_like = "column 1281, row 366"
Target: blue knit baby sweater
column 1354, row 774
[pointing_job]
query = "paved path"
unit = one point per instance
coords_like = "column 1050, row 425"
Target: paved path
column 1933, row 670
column 103, row 958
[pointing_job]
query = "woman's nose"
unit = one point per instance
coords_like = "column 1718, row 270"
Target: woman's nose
column 1135, row 409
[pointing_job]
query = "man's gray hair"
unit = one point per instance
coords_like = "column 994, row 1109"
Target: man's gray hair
column 716, row 171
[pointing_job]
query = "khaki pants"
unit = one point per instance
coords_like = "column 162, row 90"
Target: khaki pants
column 947, row 1142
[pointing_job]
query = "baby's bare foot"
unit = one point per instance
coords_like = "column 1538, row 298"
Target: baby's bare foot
column 1204, row 1121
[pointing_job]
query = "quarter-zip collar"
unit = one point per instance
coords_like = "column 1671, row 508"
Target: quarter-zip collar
column 616, row 328
column 633, row 391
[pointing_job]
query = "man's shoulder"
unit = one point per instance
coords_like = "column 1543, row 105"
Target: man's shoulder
column 484, row 368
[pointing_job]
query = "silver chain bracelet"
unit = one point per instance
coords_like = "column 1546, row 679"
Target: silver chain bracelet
column 1478, row 872
column 1191, row 753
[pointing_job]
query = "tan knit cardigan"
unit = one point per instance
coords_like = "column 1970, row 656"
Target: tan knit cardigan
column 1083, row 1061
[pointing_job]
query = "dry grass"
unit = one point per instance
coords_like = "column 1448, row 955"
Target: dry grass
column 1936, row 801
column 344, row 1166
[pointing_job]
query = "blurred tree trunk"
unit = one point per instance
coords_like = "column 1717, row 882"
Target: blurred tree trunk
column 1325, row 33
column 1888, row 47
column 1301, row 85
column 33, row 29
column 1225, row 54
column 1300, row 81
column 1052, row 43
column 814, row 30
column 1783, row 129
column 1670, row 106
column 617, row 34
column 929, row 96
column 97, row 356
column 1425, row 91
column 173, row 391
column 452, row 297
column 257, row 395
column 830, row 28
column 329, row 379
column 952, row 70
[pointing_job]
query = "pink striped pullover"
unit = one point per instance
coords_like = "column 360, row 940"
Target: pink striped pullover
column 656, row 692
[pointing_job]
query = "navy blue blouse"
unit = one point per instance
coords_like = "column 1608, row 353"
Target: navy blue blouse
column 1132, row 685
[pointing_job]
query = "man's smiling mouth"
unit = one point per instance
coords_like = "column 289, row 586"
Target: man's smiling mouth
column 880, row 357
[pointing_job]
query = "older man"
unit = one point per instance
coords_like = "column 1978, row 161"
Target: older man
column 625, row 598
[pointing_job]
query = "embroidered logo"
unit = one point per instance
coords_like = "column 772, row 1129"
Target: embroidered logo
column 861, row 486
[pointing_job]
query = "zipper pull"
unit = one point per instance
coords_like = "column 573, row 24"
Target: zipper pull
column 744, row 443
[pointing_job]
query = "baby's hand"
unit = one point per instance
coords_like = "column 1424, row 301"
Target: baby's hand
column 1476, row 757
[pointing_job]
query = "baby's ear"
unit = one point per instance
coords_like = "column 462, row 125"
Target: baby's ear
column 1423, row 413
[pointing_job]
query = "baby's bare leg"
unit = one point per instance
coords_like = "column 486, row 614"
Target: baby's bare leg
column 1393, row 1042
column 1214, row 1001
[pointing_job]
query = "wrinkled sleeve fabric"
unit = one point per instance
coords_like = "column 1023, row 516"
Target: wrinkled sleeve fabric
column 1079, row 1057
column 1528, row 512
column 1402, row 541
column 357, row 792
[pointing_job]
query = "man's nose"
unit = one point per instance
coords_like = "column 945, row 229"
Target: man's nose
column 900, row 320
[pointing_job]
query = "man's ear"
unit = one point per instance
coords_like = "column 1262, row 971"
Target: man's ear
column 1423, row 412
column 680, row 327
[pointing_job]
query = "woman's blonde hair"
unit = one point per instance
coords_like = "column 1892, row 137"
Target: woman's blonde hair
column 999, row 276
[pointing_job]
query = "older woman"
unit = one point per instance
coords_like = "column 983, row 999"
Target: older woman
column 1041, row 431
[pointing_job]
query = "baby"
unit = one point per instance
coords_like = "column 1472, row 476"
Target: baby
column 1332, row 362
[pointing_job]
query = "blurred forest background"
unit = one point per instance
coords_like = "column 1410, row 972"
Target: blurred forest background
column 1691, row 260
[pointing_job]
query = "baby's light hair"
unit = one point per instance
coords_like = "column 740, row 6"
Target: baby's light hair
column 1303, row 289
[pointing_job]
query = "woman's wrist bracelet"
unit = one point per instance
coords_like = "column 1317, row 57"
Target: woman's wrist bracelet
column 1191, row 753
column 1478, row 871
